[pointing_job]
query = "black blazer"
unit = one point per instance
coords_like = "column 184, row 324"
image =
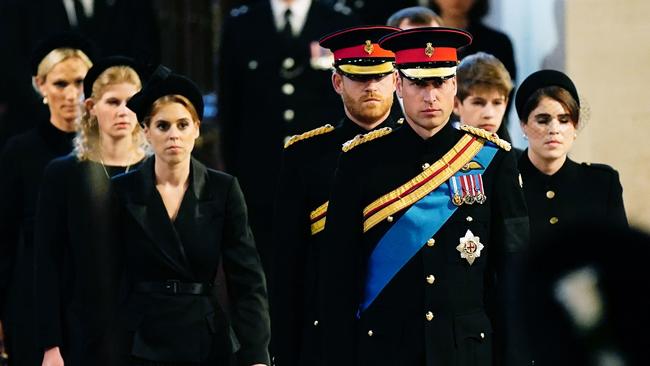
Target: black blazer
column 211, row 226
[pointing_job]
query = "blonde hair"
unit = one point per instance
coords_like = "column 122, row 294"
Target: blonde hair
column 86, row 143
column 55, row 57
column 169, row 99
column 482, row 71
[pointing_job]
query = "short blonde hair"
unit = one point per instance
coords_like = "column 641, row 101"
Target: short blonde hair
column 169, row 99
column 86, row 143
column 55, row 57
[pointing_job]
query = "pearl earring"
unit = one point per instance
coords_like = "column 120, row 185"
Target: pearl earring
column 45, row 100
column 525, row 136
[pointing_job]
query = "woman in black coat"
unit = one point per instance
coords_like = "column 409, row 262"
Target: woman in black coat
column 76, row 277
column 559, row 191
column 59, row 65
column 180, row 220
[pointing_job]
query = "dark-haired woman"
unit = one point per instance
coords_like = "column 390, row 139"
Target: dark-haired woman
column 179, row 220
column 559, row 191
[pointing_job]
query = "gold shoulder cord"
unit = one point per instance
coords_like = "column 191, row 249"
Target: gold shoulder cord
column 361, row 139
column 303, row 136
column 490, row 136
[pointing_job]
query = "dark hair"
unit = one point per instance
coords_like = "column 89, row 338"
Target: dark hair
column 417, row 15
column 557, row 93
column 477, row 12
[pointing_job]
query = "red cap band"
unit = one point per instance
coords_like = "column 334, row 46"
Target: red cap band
column 418, row 55
column 360, row 52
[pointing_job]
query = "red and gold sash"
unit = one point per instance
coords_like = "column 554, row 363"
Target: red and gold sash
column 317, row 218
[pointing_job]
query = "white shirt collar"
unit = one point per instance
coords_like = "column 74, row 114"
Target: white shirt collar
column 299, row 10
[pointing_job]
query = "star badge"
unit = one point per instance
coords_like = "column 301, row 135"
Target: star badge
column 470, row 247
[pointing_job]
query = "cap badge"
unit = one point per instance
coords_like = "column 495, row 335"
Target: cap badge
column 429, row 49
column 470, row 247
column 368, row 47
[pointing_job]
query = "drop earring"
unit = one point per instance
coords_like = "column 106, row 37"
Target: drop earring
column 44, row 99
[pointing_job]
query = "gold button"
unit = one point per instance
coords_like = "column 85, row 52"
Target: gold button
column 553, row 220
column 430, row 279
column 482, row 335
column 389, row 219
column 315, row 323
column 425, row 166
column 400, row 121
column 370, row 333
column 429, row 316
column 469, row 218
column 550, row 194
column 289, row 114
column 288, row 89
column 288, row 63
column 431, row 242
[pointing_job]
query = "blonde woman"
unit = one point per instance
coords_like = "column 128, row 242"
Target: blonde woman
column 77, row 269
column 59, row 65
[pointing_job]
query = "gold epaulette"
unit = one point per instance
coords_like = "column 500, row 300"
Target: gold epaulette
column 490, row 136
column 303, row 136
column 360, row 139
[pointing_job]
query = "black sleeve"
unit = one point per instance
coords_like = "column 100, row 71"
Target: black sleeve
column 511, row 232
column 340, row 268
column 49, row 247
column 228, row 73
column 10, row 214
column 246, row 282
column 615, row 206
column 290, row 235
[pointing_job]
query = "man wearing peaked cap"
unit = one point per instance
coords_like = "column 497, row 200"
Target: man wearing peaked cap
column 421, row 223
column 364, row 77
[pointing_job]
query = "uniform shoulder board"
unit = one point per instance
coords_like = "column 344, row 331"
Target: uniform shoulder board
column 490, row 136
column 303, row 136
column 361, row 139
column 239, row 11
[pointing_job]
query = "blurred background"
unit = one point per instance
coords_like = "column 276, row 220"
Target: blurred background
column 602, row 45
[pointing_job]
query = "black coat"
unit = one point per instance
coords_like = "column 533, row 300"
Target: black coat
column 256, row 63
column 77, row 276
column 465, row 301
column 575, row 193
column 211, row 227
column 22, row 163
column 307, row 174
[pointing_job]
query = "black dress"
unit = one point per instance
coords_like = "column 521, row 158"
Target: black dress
column 22, row 164
column 77, row 276
column 307, row 174
column 438, row 309
column 575, row 193
column 171, row 314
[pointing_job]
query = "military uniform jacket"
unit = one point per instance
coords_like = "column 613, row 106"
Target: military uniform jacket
column 77, row 276
column 210, row 227
column 268, row 91
column 307, row 174
column 575, row 193
column 437, row 310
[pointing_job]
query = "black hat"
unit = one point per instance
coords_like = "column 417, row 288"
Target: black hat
column 357, row 53
column 61, row 40
column 164, row 82
column 541, row 79
column 426, row 52
column 100, row 66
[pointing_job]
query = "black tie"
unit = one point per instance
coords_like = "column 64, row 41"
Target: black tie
column 82, row 20
column 286, row 31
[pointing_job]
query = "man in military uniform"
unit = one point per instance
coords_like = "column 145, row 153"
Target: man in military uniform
column 365, row 79
column 421, row 223
column 273, row 84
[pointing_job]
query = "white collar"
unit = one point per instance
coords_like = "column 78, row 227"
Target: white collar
column 299, row 10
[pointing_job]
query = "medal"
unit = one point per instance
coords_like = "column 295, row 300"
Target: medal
column 455, row 196
column 468, row 198
column 480, row 196
column 470, row 247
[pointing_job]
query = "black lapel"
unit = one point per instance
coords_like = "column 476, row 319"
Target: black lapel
column 146, row 206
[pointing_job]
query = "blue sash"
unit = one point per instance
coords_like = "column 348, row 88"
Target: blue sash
column 411, row 232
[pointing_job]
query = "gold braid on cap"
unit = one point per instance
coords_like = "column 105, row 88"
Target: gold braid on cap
column 360, row 139
column 490, row 136
column 303, row 136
